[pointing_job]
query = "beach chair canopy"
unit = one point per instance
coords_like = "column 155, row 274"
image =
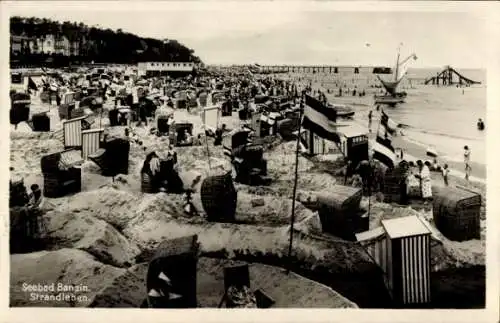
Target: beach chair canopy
column 181, row 126
column 16, row 78
column 68, row 97
column 93, row 91
column 236, row 138
column 20, row 98
column 88, row 101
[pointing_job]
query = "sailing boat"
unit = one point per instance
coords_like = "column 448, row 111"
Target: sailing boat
column 393, row 97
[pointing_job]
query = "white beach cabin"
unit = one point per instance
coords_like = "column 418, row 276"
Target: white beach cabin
column 401, row 248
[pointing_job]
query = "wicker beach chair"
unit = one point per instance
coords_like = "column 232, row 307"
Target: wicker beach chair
column 62, row 173
column 20, row 108
column 456, row 212
column 339, row 211
column 237, row 281
column 40, row 122
column 236, row 278
column 91, row 141
column 67, row 106
column 71, row 133
column 172, row 274
column 392, row 184
column 219, row 198
column 113, row 157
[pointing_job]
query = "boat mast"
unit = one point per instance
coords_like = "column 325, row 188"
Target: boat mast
column 397, row 65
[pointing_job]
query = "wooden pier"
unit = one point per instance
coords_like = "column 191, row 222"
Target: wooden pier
column 316, row 69
column 449, row 76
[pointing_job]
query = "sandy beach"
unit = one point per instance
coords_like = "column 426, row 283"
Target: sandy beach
column 136, row 223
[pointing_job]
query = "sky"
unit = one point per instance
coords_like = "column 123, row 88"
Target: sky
column 287, row 33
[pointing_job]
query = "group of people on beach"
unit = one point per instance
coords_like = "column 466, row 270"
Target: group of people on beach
column 423, row 177
column 370, row 175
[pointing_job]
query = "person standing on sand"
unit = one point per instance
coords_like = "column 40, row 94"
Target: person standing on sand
column 446, row 172
column 425, row 181
column 365, row 171
column 403, row 184
column 348, row 171
column 468, row 168
column 370, row 121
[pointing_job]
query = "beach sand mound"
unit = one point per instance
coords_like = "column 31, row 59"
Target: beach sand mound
column 126, row 290
column 281, row 160
column 311, row 224
column 268, row 210
column 83, row 231
column 253, row 241
column 64, row 266
column 288, row 290
column 108, row 204
column 26, row 154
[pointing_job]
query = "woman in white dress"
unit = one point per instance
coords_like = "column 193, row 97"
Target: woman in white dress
column 425, row 180
column 410, row 179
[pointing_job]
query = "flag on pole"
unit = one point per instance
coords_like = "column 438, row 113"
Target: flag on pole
column 320, row 119
column 389, row 125
column 383, row 150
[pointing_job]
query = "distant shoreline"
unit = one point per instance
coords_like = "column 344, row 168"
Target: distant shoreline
column 413, row 150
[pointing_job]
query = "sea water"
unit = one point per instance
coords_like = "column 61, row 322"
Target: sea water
column 445, row 118
column 441, row 117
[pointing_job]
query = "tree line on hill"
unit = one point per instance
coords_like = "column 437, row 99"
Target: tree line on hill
column 100, row 45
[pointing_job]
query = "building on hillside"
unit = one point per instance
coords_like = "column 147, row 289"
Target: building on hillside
column 51, row 44
column 36, row 46
column 61, row 46
column 165, row 68
column 19, row 45
column 74, row 48
column 46, row 44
